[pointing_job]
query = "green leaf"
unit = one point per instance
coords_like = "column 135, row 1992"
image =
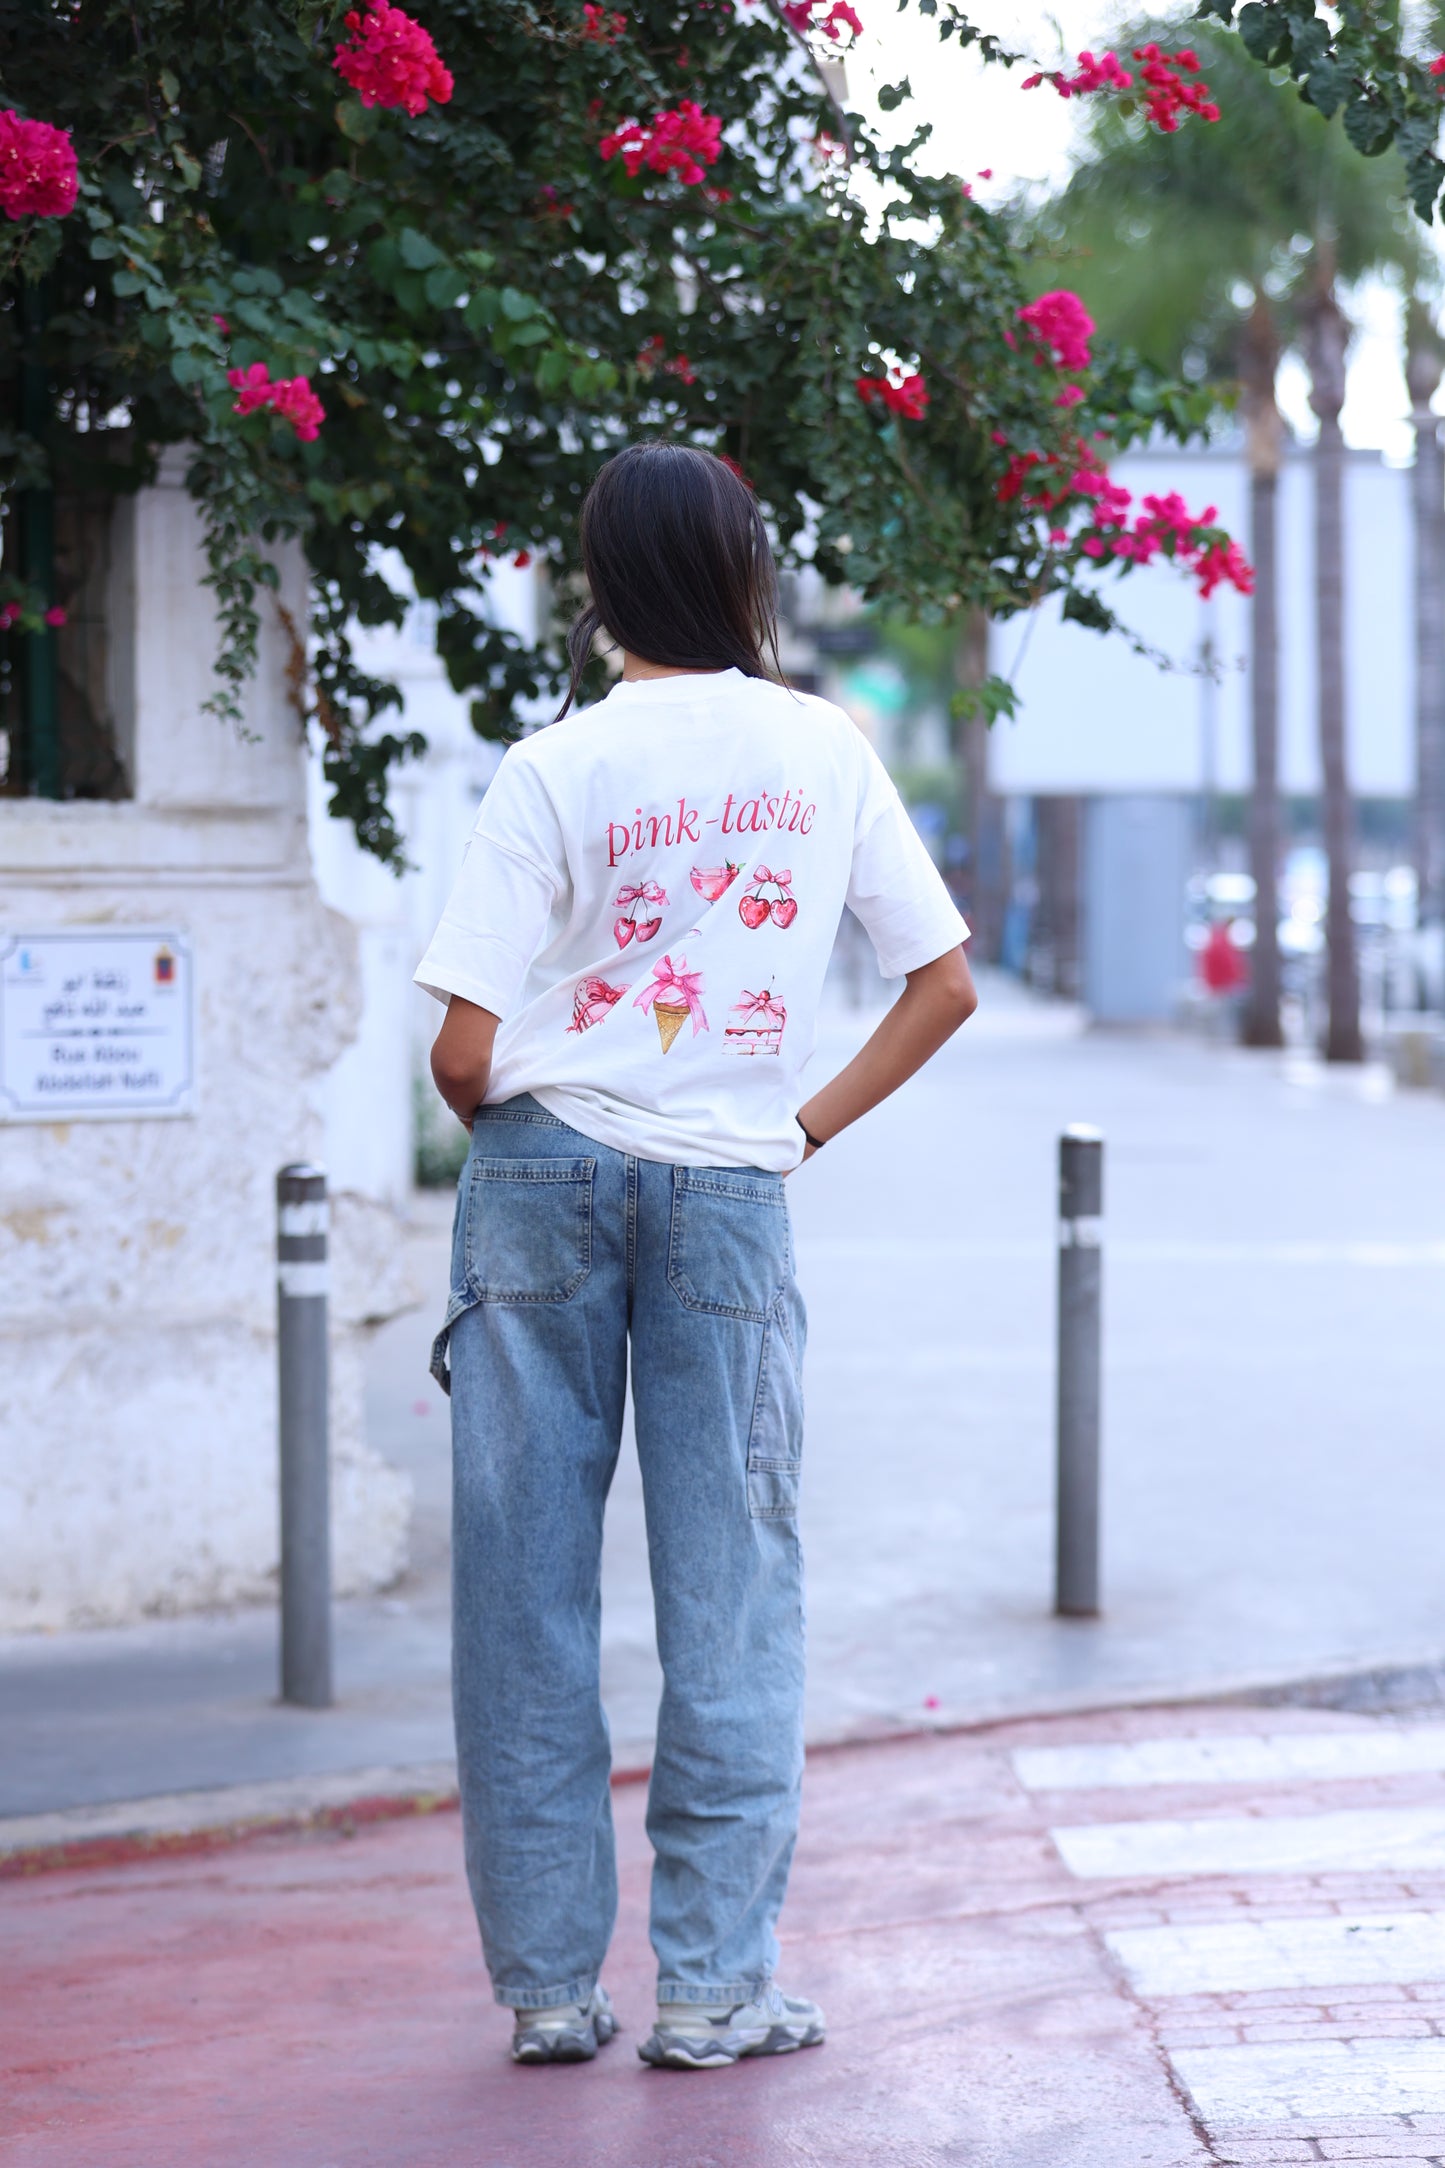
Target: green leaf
column 517, row 307
column 1327, row 86
column 1262, row 33
column 1083, row 608
column 417, row 252
column 1367, row 127
column 187, row 368
column 552, row 369
column 170, row 86
column 892, row 95
column 993, row 698
column 128, row 282
column 444, row 286
column 188, row 167
column 480, row 312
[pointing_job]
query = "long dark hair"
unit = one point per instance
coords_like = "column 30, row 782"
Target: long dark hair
column 678, row 564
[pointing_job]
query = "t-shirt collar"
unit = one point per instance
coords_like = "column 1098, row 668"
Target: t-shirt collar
column 690, row 686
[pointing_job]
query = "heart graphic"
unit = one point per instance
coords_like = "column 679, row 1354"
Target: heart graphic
column 647, row 927
column 624, row 930
column 784, row 910
column 752, row 910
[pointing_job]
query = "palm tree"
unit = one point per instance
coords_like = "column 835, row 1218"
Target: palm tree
column 1214, row 250
column 1425, row 358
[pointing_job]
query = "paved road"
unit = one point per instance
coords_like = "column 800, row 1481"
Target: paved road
column 1275, row 1372
column 1164, row 1939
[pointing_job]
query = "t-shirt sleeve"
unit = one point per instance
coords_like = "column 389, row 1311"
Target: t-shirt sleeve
column 895, row 889
column 497, row 914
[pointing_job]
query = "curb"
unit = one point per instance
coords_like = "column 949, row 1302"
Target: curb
column 342, row 1802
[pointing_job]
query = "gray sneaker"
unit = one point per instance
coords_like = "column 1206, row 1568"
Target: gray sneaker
column 568, row 2032
column 701, row 2036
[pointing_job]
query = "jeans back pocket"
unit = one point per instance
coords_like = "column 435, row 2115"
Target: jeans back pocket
column 730, row 1252
column 527, row 1228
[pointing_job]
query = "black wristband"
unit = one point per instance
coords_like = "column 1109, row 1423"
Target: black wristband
column 816, row 1142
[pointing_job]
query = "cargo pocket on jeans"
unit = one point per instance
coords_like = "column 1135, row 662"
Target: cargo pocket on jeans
column 775, row 1441
column 522, row 1234
column 729, row 1251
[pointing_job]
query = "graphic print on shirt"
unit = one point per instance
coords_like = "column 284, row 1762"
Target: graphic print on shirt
column 642, row 904
column 756, row 906
column 592, row 1001
column 757, row 1024
column 674, row 995
column 711, row 882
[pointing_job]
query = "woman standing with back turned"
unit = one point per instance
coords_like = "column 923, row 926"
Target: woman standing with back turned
column 633, row 957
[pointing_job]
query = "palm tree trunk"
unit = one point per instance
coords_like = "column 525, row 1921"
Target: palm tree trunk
column 1328, row 334
column 1423, row 376
column 1264, row 431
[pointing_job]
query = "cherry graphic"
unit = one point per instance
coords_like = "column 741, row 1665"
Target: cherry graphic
column 784, row 910
column 752, row 910
column 623, row 931
column 647, row 927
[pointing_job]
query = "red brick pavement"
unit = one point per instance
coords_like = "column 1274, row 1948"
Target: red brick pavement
column 318, row 2002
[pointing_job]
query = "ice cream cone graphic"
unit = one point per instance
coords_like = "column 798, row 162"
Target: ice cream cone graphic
column 673, row 994
column 670, row 1020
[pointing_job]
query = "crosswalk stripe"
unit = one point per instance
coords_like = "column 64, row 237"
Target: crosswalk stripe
column 1364, row 1840
column 1314, row 2081
column 1247, row 1956
column 1234, row 1758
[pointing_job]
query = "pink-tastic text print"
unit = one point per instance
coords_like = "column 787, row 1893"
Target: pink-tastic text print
column 593, row 1000
column 763, row 814
column 769, row 896
column 642, row 904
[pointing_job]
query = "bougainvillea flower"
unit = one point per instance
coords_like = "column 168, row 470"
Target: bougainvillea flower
column 290, row 397
column 390, row 60
column 906, row 396
column 39, row 176
column 9, row 615
column 1166, row 95
column 683, row 139
column 55, row 616
column 600, row 26
column 1062, row 325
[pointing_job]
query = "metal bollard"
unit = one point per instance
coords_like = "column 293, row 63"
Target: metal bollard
column 1081, row 1271
column 301, row 1289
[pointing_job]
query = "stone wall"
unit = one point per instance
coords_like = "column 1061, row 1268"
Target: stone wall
column 137, row 1282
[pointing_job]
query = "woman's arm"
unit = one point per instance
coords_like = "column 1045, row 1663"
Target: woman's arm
column 461, row 1057
column 935, row 1000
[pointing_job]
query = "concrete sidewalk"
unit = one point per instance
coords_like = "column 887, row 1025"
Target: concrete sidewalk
column 1275, row 1367
column 1135, row 1941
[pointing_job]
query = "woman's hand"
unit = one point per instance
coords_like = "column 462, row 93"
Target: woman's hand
column 935, row 1001
column 461, row 1057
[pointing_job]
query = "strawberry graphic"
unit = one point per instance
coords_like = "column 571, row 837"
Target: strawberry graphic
column 714, row 881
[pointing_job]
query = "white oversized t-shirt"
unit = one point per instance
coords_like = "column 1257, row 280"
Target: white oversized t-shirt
column 649, row 900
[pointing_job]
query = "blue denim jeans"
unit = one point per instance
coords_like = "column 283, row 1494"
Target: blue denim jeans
column 564, row 1253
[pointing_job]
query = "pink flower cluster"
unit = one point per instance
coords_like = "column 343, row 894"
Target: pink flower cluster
column 1437, row 67
column 601, row 26
column 11, row 614
column 391, row 60
column 290, row 397
column 1062, row 326
column 39, row 177
column 1105, row 73
column 683, row 139
column 905, row 396
column 1167, row 527
column 654, row 358
column 803, row 17
column 1167, row 95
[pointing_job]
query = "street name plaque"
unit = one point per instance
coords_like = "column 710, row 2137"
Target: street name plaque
column 95, row 1025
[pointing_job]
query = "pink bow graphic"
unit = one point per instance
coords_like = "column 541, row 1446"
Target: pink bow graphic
column 763, row 1004
column 674, row 983
column 643, row 892
column 783, row 879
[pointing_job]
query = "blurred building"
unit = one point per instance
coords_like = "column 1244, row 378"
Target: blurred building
column 1119, row 778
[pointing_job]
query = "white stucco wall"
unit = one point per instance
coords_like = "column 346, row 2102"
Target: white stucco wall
column 137, row 1277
